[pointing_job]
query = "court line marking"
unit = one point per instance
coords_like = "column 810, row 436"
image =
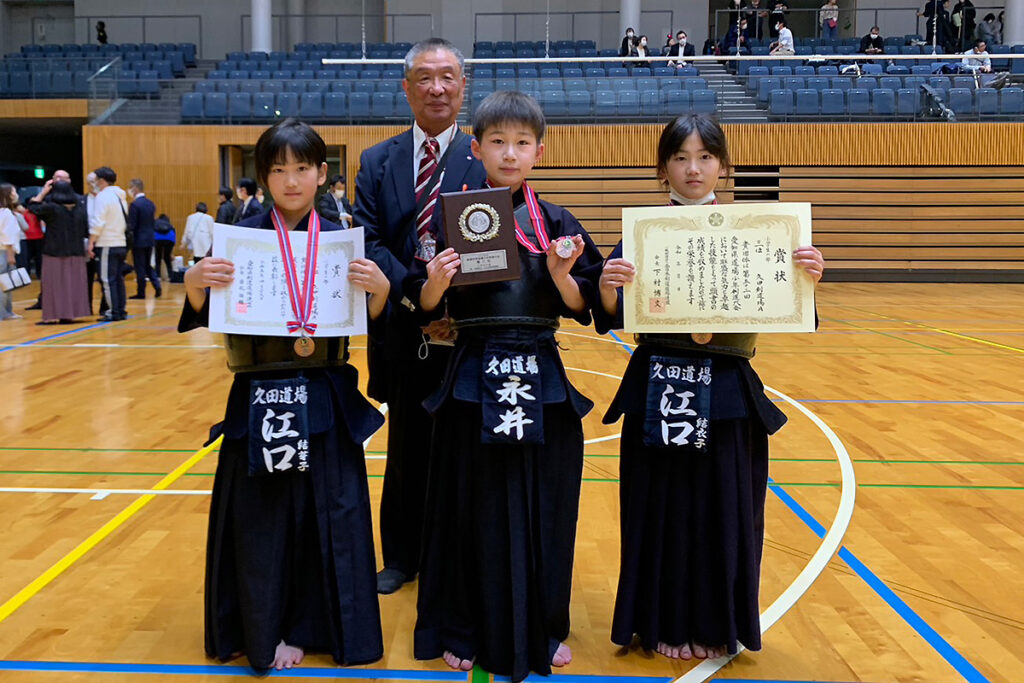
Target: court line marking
column 19, row 345
column 950, row 333
column 708, row 668
column 44, row 579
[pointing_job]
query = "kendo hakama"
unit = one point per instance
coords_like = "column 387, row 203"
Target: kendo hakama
column 692, row 523
column 290, row 556
column 500, row 522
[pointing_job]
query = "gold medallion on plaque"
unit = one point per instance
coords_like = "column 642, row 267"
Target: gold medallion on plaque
column 701, row 337
column 304, row 347
column 479, row 222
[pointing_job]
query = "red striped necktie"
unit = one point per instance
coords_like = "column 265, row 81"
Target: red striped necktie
column 428, row 164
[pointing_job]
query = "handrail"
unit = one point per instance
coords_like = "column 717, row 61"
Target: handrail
column 572, row 30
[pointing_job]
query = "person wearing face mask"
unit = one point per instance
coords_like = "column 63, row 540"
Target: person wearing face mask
column 784, row 45
column 641, row 50
column 986, row 30
column 628, row 43
column 333, row 204
column 872, row 43
column 735, row 41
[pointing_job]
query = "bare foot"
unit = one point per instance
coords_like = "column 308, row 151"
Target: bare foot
column 456, row 663
column 699, row 651
column 286, row 656
column 563, row 655
column 685, row 652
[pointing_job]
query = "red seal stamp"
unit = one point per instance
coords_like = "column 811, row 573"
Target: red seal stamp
column 657, row 304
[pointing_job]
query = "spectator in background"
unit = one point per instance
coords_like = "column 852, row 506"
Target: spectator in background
column 936, row 13
column 198, row 237
column 333, row 205
column 828, row 19
column 964, row 20
column 755, row 15
column 248, row 205
column 107, row 226
column 101, row 33
column 872, row 43
column 987, row 29
column 641, row 50
column 784, row 45
column 736, row 11
column 164, row 238
column 33, row 244
column 10, row 244
column 142, row 223
column 226, row 209
column 736, row 40
column 681, row 49
column 778, row 13
column 1000, row 25
column 64, row 285
column 628, row 43
column 261, row 198
column 92, row 263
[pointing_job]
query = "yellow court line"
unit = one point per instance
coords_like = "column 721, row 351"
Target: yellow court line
column 950, row 333
column 44, row 579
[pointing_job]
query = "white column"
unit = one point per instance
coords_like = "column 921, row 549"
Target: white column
column 262, row 40
column 296, row 23
column 1013, row 26
column 629, row 16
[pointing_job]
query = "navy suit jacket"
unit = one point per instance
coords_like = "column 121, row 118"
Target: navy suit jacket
column 254, row 209
column 386, row 200
column 141, row 220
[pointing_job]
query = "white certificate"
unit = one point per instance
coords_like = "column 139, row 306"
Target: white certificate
column 717, row 268
column 257, row 301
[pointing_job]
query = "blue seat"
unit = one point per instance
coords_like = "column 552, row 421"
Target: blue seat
column 594, row 72
column 782, row 71
column 504, row 72
column 61, row 83
column 239, row 106
column 803, row 71
column 191, row 106
column 80, row 82
column 604, row 103
column 263, row 108
column 688, row 71
column 363, row 86
column 754, row 74
column 217, row 74
column 871, row 69
column 897, row 69
column 961, row 101
column 311, row 105
column 297, row 87
column 1011, row 101
column 765, row 86
column 227, row 87
column 867, row 82
column 833, row 102
column 528, row 72
column 342, row 86
column 704, row 101
column 578, row 102
column 817, row 83
column 858, row 102
column 335, row 105
column 204, row 87
column 42, row 83
column 251, row 87
column 963, row 82
column 828, row 71
column 692, row 84
column 914, row 82
column 675, row 102
column 628, row 103
column 641, row 72
column 939, row 82
column 382, row 104
column 617, row 72
column 780, row 103
column 482, row 72
column 883, row 102
column 999, row 63
column 793, row 83
column 304, row 74
column 260, row 75
column 908, row 101
column 215, row 106
column 392, row 87
column 921, row 70
column 287, row 104
column 664, row 71
column 554, row 102
column 807, row 102
column 891, row 82
column 551, row 84
column 986, row 101
column 359, row 105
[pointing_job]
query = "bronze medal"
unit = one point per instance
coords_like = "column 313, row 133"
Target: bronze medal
column 701, row 337
column 304, row 347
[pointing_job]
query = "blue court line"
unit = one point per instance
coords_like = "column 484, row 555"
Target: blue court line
column 938, row 643
column 232, row 670
column 621, row 343
column 8, row 347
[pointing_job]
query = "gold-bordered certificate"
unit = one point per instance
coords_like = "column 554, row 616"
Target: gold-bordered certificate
column 717, row 268
column 257, row 301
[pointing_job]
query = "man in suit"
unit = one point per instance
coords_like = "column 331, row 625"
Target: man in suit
column 248, row 205
column 333, row 205
column 141, row 223
column 681, row 49
column 226, row 210
column 395, row 211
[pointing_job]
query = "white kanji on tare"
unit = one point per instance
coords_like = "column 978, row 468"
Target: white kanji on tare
column 286, row 452
column 513, row 419
column 684, row 401
column 514, row 390
column 286, row 426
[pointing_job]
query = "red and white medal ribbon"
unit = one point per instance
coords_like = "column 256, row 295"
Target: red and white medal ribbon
column 301, row 298
column 536, row 219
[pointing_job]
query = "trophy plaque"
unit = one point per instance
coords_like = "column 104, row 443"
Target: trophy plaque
column 481, row 227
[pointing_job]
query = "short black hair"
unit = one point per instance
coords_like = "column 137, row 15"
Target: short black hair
column 979, row 41
column 226, row 192
column 676, row 132
column 337, row 178
column 137, row 184
column 106, row 173
column 989, row 17
column 201, row 207
column 249, row 185
column 508, row 106
column 163, row 217
column 290, row 135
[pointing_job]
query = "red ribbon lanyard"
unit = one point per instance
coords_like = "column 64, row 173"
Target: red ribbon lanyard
column 301, row 299
column 536, row 219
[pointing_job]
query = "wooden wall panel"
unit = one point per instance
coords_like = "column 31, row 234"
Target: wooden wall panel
column 44, row 109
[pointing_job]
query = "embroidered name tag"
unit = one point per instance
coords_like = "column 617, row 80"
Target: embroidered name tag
column 278, row 427
column 678, row 403
column 513, row 411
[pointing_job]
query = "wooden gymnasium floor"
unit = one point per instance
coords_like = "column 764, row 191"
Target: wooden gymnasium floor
column 102, row 581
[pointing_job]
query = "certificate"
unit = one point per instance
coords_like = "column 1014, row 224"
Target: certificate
column 717, row 268
column 257, row 301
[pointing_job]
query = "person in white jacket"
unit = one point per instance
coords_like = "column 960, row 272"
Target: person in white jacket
column 107, row 223
column 198, row 233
